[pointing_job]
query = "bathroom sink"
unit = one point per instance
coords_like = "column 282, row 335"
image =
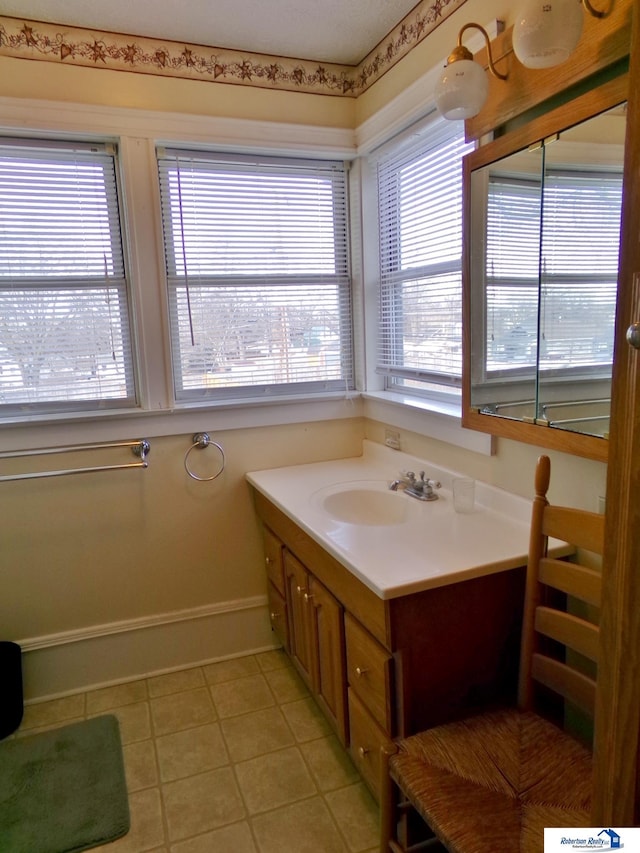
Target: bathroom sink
column 366, row 504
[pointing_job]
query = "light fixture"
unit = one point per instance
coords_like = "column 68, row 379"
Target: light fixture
column 546, row 32
column 463, row 86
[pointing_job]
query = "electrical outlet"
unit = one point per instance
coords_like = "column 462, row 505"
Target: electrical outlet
column 392, row 438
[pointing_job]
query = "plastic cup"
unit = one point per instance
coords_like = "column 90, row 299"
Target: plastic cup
column 464, row 489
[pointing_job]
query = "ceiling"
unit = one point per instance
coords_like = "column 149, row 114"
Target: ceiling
column 340, row 31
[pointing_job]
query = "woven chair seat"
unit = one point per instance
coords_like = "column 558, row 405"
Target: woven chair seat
column 494, row 781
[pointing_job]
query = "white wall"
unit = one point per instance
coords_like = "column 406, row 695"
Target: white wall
column 115, row 574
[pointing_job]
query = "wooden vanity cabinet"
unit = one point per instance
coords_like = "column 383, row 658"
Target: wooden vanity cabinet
column 382, row 669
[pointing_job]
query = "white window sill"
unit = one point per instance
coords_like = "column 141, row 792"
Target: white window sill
column 433, row 418
column 436, row 419
column 118, row 424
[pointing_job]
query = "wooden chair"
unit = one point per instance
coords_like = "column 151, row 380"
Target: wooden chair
column 495, row 780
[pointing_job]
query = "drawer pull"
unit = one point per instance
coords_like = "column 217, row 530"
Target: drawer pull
column 363, row 752
column 360, row 672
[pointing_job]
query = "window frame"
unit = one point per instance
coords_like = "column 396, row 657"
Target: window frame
column 340, row 280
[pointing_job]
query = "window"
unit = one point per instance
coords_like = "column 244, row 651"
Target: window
column 64, row 319
column 258, row 277
column 420, row 202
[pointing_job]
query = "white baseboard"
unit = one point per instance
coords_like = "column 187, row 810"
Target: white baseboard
column 103, row 655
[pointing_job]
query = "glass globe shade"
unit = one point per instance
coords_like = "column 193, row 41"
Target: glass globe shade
column 546, row 32
column 461, row 89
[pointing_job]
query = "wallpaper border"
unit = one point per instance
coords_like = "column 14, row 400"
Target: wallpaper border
column 25, row 39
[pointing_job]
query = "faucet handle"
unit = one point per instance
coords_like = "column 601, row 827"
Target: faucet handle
column 427, row 488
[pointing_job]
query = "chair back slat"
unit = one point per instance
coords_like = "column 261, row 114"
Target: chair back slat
column 579, row 527
column 558, row 633
column 566, row 681
column 571, row 631
column 572, row 578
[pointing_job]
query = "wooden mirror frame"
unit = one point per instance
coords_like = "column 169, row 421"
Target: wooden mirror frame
column 593, row 102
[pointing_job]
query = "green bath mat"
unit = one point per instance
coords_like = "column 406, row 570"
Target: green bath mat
column 63, row 790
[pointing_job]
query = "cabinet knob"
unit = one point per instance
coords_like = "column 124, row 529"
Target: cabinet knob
column 268, row 560
column 633, row 335
column 299, row 590
column 363, row 752
column 274, row 616
column 360, row 672
column 307, row 597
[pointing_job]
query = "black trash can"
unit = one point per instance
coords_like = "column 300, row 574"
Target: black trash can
column 11, row 700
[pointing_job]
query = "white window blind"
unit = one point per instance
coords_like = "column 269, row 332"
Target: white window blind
column 420, row 201
column 64, row 319
column 258, row 276
column 512, row 274
column 579, row 275
column 571, row 291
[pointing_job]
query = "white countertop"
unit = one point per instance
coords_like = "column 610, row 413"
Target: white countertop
column 431, row 546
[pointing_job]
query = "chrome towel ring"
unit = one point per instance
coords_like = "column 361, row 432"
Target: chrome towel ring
column 201, row 440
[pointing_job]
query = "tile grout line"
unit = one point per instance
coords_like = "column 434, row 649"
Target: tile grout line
column 163, row 810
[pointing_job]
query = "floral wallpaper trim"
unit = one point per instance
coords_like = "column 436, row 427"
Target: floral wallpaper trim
column 26, row 39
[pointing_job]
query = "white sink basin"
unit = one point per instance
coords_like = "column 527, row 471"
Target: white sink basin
column 370, row 504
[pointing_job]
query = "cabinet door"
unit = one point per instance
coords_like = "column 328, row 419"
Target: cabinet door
column 296, row 588
column 278, row 615
column 328, row 655
column 273, row 559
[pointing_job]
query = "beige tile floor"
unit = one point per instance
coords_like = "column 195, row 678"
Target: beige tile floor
column 233, row 757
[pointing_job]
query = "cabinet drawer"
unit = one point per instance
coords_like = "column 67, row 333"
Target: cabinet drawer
column 278, row 615
column 273, row 560
column 369, row 668
column 366, row 741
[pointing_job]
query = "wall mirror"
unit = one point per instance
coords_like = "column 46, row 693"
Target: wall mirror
column 542, row 230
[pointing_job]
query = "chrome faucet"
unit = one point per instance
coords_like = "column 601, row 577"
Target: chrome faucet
column 407, row 478
column 421, row 489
